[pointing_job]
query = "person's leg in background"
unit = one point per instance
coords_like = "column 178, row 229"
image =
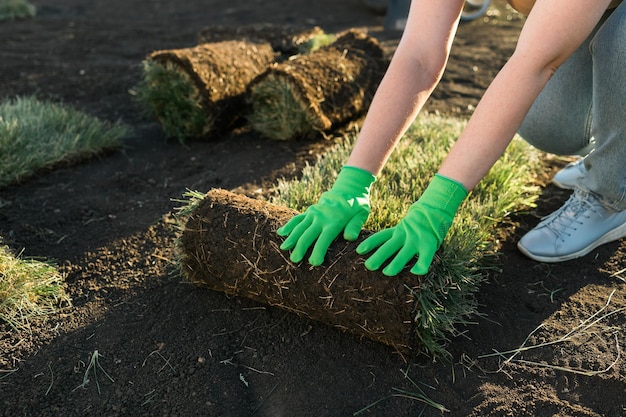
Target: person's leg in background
column 606, row 165
column 559, row 121
column 581, row 112
column 395, row 11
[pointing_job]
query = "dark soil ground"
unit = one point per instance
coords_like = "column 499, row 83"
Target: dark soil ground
column 173, row 349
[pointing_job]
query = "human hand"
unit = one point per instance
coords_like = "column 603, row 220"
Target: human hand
column 345, row 207
column 419, row 233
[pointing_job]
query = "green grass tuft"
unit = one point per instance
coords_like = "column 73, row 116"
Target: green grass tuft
column 169, row 94
column 446, row 296
column 28, row 289
column 35, row 135
column 316, row 42
column 16, row 9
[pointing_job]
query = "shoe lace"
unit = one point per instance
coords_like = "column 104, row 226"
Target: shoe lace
column 572, row 214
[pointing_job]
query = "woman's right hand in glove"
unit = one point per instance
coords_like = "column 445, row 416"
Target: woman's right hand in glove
column 345, row 207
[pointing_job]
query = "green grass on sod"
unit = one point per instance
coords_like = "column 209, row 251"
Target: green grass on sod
column 36, row 135
column 446, row 297
column 168, row 93
column 16, row 9
column 28, row 289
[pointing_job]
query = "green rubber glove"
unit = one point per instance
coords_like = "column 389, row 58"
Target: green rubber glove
column 419, row 233
column 345, row 207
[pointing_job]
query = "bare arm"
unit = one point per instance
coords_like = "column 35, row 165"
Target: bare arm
column 414, row 71
column 552, row 32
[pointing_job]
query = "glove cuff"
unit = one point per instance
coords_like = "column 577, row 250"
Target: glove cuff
column 354, row 181
column 445, row 194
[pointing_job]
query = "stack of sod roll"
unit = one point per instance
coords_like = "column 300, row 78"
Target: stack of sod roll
column 287, row 82
column 199, row 92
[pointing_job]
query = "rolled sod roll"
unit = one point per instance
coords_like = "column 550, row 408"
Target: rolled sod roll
column 229, row 244
column 319, row 91
column 199, row 92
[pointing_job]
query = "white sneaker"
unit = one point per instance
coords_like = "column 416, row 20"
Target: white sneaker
column 568, row 177
column 574, row 230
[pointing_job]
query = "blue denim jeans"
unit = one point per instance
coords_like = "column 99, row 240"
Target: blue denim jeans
column 582, row 110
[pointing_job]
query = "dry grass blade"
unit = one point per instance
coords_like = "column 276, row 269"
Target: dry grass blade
column 417, row 395
column 7, row 373
column 587, row 324
column 578, row 371
column 93, row 366
column 619, row 275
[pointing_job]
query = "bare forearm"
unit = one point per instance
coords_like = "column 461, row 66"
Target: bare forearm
column 398, row 100
column 493, row 124
column 414, row 72
column 541, row 49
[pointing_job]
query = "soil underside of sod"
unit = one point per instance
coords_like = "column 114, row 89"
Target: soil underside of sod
column 173, row 348
column 229, row 244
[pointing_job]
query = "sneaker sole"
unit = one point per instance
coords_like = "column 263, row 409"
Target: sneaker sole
column 563, row 185
column 611, row 236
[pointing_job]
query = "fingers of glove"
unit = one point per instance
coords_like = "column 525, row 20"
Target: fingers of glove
column 374, row 241
column 384, row 252
column 290, row 225
column 354, row 226
column 423, row 262
column 326, row 237
column 398, row 263
column 306, row 238
column 296, row 228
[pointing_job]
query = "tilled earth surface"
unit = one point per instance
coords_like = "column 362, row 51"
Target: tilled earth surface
column 166, row 348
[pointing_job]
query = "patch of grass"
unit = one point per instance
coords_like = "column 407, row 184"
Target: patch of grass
column 190, row 201
column 169, row 94
column 36, row 135
column 446, row 295
column 28, row 289
column 316, row 42
column 188, row 204
column 16, row 9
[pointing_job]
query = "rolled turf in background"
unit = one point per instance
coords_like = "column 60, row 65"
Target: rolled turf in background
column 199, row 92
column 229, row 244
column 319, row 91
